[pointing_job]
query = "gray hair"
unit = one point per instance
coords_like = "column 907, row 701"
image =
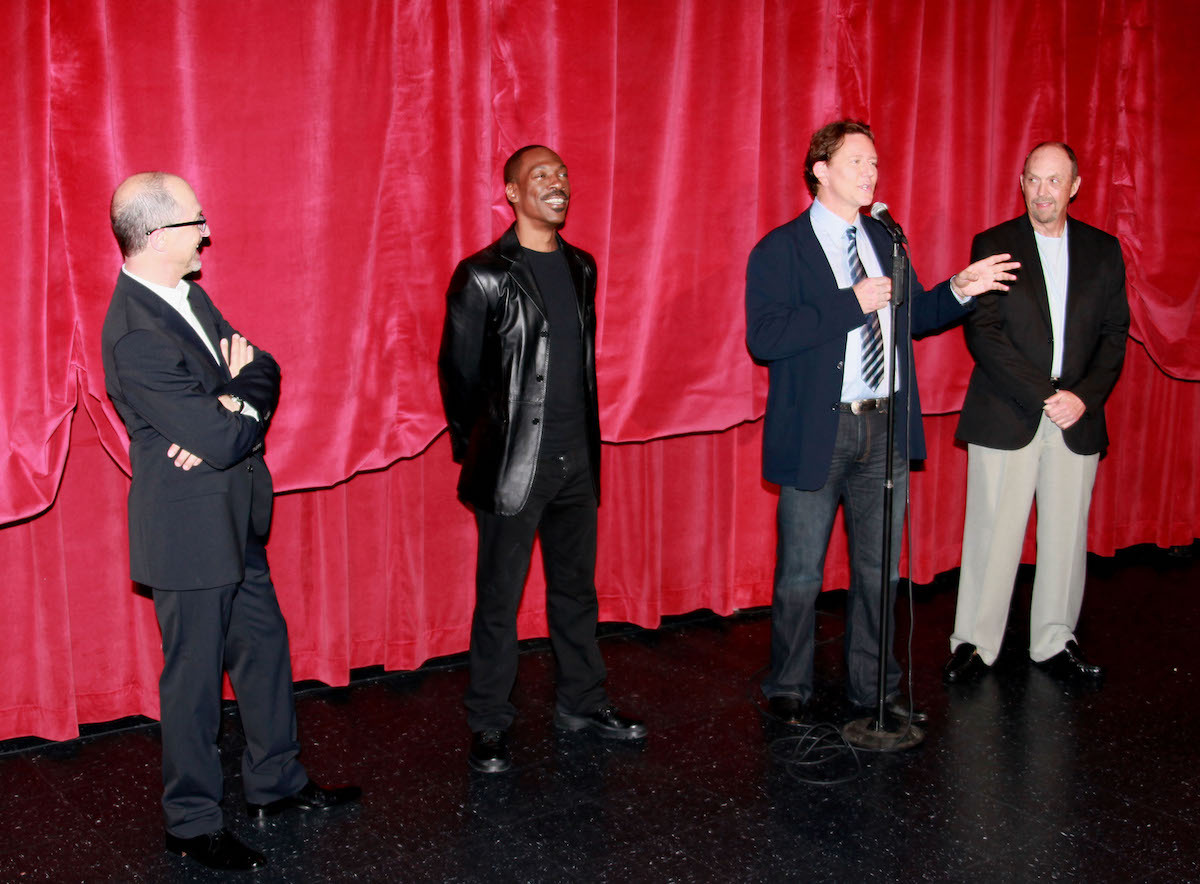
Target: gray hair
column 148, row 207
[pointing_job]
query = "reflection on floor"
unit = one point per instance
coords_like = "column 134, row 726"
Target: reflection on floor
column 1020, row 778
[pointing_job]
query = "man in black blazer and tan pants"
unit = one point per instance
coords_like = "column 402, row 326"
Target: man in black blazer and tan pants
column 1047, row 354
column 196, row 399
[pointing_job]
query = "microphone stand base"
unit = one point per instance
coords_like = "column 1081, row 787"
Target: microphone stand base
column 891, row 736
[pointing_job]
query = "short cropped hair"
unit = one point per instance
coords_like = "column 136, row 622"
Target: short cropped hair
column 513, row 164
column 825, row 143
column 150, row 207
column 1066, row 148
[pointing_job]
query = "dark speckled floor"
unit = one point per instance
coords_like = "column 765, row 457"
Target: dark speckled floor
column 1019, row 779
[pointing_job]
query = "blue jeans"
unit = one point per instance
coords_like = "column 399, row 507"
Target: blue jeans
column 805, row 520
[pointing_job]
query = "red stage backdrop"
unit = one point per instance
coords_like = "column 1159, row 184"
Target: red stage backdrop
column 348, row 154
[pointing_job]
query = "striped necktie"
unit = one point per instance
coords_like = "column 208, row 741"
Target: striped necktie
column 872, row 334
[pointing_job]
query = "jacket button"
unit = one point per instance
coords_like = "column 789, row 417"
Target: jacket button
column 250, row 468
column 536, row 421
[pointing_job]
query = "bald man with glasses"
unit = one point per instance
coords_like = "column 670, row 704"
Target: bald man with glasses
column 197, row 398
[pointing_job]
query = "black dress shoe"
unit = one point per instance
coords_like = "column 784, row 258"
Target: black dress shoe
column 310, row 797
column 218, row 850
column 605, row 721
column 489, row 752
column 899, row 705
column 785, row 709
column 964, row 665
column 1070, row 664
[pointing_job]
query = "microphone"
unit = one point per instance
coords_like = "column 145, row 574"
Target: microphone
column 880, row 213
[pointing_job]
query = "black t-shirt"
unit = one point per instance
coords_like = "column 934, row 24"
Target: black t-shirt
column 564, row 428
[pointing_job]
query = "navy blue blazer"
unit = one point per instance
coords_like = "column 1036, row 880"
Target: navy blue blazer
column 797, row 320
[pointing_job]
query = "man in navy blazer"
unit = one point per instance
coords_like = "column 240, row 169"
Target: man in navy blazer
column 1047, row 355
column 815, row 293
column 196, row 398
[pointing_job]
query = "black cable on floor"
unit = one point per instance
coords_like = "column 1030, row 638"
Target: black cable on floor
column 814, row 754
column 817, row 755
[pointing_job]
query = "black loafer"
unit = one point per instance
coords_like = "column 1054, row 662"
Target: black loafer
column 310, row 797
column 899, row 705
column 605, row 721
column 1070, row 664
column 785, row 709
column 218, row 850
column 489, row 752
column 964, row 665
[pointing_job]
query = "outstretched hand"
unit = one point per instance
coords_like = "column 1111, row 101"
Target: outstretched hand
column 985, row 275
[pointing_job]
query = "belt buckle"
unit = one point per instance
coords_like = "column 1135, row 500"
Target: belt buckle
column 856, row 407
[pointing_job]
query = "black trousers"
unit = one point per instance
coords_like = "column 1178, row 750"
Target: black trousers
column 561, row 510
column 239, row 629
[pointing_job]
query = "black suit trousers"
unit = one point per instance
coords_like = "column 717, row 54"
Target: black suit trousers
column 239, row 629
column 561, row 510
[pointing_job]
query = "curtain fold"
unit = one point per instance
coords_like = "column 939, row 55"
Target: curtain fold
column 348, row 154
column 380, row 569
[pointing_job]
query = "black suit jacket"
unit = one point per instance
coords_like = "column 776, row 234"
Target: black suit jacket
column 797, row 320
column 187, row 529
column 1010, row 336
column 494, row 366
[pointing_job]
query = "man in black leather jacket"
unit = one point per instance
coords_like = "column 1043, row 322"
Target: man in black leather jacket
column 518, row 378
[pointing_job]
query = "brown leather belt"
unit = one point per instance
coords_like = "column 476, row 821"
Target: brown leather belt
column 862, row 406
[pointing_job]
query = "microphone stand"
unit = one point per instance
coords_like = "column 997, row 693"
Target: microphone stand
column 884, row 733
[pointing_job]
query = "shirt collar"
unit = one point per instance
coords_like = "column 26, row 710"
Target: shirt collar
column 825, row 220
column 176, row 296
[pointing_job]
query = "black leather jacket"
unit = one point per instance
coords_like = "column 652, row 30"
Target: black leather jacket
column 494, row 365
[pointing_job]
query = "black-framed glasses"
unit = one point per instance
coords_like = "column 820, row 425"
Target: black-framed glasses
column 200, row 222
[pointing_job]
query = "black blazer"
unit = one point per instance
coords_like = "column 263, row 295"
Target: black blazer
column 797, row 320
column 1010, row 336
column 187, row 530
column 494, row 364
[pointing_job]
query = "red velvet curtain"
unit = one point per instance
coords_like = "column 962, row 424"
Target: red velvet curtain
column 348, row 154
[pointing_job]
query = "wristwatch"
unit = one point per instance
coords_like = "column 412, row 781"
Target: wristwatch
column 241, row 403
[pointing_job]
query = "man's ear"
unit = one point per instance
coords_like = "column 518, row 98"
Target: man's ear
column 510, row 192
